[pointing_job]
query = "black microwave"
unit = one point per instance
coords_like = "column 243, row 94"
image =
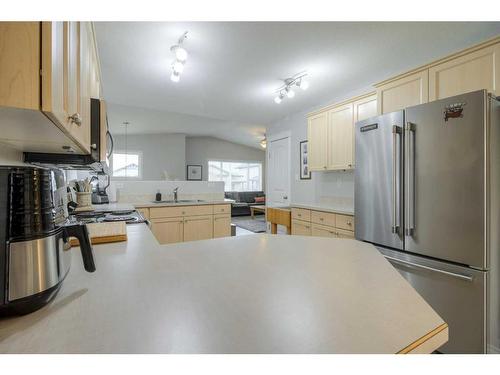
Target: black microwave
column 92, row 161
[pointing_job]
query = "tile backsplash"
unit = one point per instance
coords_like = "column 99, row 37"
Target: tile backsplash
column 145, row 191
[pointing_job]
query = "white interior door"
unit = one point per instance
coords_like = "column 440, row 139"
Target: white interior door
column 278, row 185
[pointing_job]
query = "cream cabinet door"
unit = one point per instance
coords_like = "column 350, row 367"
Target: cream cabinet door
column 323, row 231
column 61, row 79
column 474, row 71
column 81, row 132
column 404, row 92
column 301, row 228
column 222, row 226
column 20, row 64
column 340, row 138
column 198, row 227
column 169, row 230
column 365, row 108
column 317, row 141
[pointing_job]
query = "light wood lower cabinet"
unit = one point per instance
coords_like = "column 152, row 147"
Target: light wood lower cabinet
column 169, row 230
column 144, row 212
column 189, row 223
column 319, row 230
column 301, row 228
column 222, row 226
column 198, row 228
column 322, row 224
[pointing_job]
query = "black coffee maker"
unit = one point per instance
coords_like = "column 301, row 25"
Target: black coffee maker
column 35, row 252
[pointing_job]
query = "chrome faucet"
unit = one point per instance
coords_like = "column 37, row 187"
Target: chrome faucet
column 175, row 194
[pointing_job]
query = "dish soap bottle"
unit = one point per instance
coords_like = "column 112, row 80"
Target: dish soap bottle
column 158, row 196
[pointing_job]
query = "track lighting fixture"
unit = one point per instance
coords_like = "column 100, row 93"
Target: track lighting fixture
column 180, row 58
column 287, row 88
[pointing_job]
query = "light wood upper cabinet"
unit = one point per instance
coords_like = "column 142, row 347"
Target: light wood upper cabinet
column 19, row 64
column 62, row 83
column 169, row 230
column 474, row 71
column 317, row 136
column 331, row 133
column 198, row 228
column 49, row 67
column 404, row 92
column 340, row 138
column 365, row 108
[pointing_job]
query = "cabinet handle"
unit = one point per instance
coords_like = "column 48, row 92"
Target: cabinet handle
column 76, row 119
column 349, row 223
column 299, row 215
column 321, row 219
column 93, row 146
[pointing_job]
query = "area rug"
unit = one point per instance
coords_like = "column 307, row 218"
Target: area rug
column 257, row 225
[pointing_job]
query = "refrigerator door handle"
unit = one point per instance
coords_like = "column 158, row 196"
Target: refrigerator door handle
column 396, row 219
column 410, row 178
column 416, row 265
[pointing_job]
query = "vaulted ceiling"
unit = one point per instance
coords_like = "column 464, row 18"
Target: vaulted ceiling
column 234, row 68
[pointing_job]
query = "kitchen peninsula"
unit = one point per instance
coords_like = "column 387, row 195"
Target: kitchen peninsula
column 249, row 294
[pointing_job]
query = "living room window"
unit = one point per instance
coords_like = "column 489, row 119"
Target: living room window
column 236, row 175
column 126, row 164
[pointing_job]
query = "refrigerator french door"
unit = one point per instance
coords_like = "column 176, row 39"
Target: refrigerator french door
column 445, row 180
column 427, row 195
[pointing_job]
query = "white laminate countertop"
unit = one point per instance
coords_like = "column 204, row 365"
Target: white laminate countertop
column 249, row 294
column 325, row 207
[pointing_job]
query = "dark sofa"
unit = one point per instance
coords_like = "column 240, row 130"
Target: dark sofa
column 243, row 201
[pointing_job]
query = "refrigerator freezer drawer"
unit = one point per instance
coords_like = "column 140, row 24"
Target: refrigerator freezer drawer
column 456, row 293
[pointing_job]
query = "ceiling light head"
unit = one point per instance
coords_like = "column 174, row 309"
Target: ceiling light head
column 303, row 84
column 180, row 53
column 178, row 67
column 289, row 92
column 279, row 98
column 263, row 143
column 175, row 77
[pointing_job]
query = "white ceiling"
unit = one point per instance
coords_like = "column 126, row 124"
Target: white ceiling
column 234, row 68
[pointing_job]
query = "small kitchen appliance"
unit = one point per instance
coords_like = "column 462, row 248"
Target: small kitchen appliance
column 35, row 251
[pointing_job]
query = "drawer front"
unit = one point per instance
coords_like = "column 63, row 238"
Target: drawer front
column 345, row 222
column 323, row 231
column 159, row 212
column 301, row 228
column 301, row 214
column 222, row 209
column 323, row 218
column 345, row 233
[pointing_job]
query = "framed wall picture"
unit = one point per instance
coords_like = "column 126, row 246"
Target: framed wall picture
column 194, row 172
column 305, row 173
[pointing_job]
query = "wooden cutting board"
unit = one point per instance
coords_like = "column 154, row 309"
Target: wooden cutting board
column 105, row 233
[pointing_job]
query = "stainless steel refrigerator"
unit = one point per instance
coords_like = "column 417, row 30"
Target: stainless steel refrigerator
column 427, row 194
